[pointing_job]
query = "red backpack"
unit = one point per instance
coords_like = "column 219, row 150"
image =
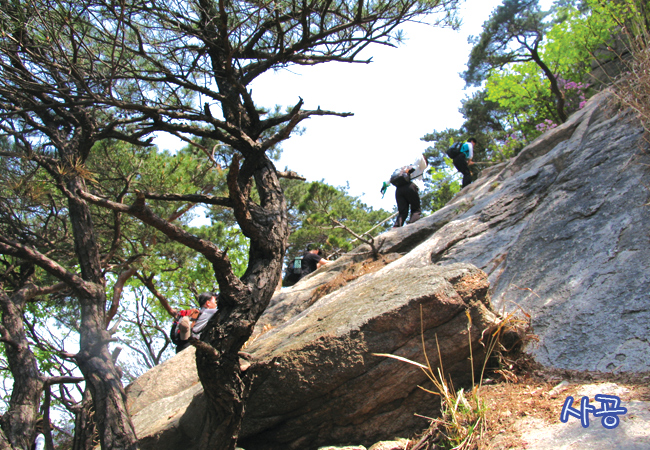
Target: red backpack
column 175, row 332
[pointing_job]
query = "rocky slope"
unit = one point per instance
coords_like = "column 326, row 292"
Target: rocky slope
column 317, row 377
column 560, row 231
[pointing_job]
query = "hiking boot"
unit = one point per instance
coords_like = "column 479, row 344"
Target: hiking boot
column 185, row 327
column 415, row 217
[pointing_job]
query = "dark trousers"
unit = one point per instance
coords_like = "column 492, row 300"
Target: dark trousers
column 182, row 346
column 407, row 196
column 460, row 163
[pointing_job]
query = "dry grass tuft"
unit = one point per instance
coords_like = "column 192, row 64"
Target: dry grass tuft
column 507, row 341
column 462, row 423
column 633, row 87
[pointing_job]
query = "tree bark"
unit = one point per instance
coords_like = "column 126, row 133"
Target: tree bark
column 240, row 306
column 114, row 425
column 85, row 431
column 18, row 423
column 555, row 88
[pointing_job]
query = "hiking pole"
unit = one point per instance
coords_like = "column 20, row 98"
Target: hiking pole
column 379, row 224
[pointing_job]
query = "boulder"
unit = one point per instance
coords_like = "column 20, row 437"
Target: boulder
column 289, row 302
column 317, row 378
column 166, row 403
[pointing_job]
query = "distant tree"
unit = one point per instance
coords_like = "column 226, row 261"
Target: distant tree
column 513, row 34
column 328, row 216
column 575, row 41
column 519, row 47
column 483, row 117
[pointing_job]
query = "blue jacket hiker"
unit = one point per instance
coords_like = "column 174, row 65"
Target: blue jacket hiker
column 464, row 159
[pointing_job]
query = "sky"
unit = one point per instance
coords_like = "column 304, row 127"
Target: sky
column 403, row 94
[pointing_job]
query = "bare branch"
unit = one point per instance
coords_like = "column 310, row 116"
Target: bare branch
column 122, row 278
column 37, row 291
column 290, row 175
column 9, row 247
column 218, row 258
column 370, row 241
column 193, row 198
column 296, row 118
column 148, row 282
column 63, row 380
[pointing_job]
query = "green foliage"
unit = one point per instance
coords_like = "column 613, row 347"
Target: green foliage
column 570, row 45
column 441, row 186
column 511, row 34
column 524, row 92
column 483, row 117
column 535, row 66
column 571, row 42
column 311, row 208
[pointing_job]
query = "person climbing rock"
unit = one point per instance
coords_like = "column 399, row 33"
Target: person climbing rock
column 312, row 260
column 464, row 159
column 407, row 194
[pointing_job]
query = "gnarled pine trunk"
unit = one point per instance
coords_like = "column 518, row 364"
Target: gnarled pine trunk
column 18, row 422
column 114, row 425
column 225, row 384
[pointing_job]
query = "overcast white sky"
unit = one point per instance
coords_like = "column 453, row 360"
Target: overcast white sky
column 405, row 93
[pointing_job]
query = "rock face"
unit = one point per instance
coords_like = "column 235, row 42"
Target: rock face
column 560, row 231
column 319, row 381
column 317, row 378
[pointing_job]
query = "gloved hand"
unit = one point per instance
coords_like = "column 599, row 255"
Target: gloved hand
column 384, row 188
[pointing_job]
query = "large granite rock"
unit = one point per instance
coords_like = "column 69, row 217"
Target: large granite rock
column 317, row 380
column 166, row 403
column 561, row 232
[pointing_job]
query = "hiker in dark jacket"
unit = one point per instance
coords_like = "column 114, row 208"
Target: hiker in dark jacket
column 464, row 160
column 312, row 260
column 407, row 194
